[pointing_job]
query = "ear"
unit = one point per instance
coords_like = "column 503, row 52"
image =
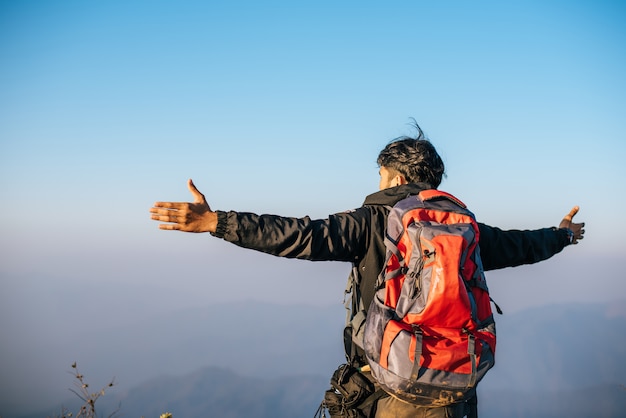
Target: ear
column 398, row 180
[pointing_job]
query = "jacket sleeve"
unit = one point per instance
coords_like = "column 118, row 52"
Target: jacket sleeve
column 499, row 249
column 340, row 237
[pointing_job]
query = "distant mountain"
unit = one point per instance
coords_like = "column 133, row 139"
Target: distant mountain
column 257, row 360
column 560, row 348
column 215, row 392
column 602, row 401
column 212, row 392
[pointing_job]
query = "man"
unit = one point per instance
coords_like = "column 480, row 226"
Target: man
column 407, row 166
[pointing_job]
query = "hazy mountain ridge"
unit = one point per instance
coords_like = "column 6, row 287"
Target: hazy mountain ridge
column 220, row 392
column 560, row 347
column 601, row 401
column 554, row 355
column 211, row 391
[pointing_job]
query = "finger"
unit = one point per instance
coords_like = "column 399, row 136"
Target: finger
column 169, row 227
column 173, row 205
column 159, row 211
column 166, row 212
column 571, row 213
column 197, row 196
column 165, row 218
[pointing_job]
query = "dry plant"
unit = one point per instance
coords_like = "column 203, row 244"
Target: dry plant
column 88, row 409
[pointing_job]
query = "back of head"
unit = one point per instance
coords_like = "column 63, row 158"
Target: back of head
column 415, row 158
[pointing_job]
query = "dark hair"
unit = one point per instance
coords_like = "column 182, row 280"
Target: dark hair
column 415, row 158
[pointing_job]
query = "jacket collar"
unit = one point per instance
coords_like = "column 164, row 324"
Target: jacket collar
column 393, row 195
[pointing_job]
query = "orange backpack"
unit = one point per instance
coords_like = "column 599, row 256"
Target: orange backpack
column 430, row 333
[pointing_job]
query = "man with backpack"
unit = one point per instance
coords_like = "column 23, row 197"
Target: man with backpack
column 408, row 166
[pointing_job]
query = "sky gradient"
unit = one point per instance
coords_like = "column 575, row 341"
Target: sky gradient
column 278, row 107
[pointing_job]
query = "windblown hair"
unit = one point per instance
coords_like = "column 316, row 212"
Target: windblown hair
column 415, row 158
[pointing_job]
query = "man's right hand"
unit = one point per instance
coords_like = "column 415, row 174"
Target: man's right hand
column 576, row 228
column 188, row 217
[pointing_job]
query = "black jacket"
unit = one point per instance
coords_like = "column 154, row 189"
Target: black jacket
column 357, row 237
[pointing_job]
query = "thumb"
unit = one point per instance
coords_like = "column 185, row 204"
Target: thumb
column 197, row 196
column 571, row 214
column 567, row 220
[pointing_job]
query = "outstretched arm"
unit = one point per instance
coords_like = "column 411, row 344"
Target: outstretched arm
column 578, row 232
column 340, row 237
column 196, row 216
column 499, row 249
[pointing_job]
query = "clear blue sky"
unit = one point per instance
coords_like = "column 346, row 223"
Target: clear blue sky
column 282, row 107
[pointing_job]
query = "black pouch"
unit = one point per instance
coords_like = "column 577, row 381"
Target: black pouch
column 333, row 402
column 349, row 390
